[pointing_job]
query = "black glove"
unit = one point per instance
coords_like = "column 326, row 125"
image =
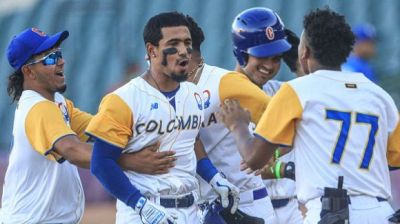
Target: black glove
column 215, row 212
column 395, row 218
column 291, row 57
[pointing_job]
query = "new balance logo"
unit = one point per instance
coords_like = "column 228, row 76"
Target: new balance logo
column 154, row 106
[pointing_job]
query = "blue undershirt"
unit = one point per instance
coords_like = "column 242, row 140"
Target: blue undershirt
column 105, row 167
column 171, row 96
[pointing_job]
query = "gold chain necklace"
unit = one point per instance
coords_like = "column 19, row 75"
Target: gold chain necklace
column 196, row 70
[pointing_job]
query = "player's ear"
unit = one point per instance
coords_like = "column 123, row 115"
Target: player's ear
column 27, row 72
column 150, row 48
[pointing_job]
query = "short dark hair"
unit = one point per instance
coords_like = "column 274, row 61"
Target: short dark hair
column 196, row 32
column 152, row 31
column 291, row 56
column 329, row 36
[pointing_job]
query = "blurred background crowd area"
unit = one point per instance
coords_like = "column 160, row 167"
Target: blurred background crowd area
column 105, row 47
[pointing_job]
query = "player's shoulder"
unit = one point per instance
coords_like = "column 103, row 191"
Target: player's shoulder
column 132, row 88
column 272, row 86
column 210, row 74
column 215, row 70
column 234, row 76
column 30, row 98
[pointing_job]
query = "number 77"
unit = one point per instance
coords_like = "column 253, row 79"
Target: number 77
column 345, row 119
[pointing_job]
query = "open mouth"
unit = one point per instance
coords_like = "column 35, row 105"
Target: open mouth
column 60, row 73
column 183, row 63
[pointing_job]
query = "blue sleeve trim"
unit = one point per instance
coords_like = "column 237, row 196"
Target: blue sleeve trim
column 261, row 137
column 392, row 168
column 206, row 169
column 60, row 160
column 93, row 137
column 104, row 166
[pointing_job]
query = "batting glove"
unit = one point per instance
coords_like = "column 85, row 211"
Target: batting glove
column 151, row 213
column 225, row 189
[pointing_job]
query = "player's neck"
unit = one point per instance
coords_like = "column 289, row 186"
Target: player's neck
column 160, row 81
column 315, row 66
column 195, row 73
column 43, row 92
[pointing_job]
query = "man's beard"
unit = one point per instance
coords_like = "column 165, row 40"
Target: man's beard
column 179, row 77
column 62, row 89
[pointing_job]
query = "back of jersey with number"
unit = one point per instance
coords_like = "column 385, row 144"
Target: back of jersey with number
column 344, row 129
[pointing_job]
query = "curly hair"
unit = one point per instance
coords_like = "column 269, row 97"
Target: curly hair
column 152, row 30
column 15, row 85
column 329, row 36
column 196, row 32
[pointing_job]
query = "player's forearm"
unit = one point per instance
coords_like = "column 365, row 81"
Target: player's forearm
column 75, row 151
column 253, row 150
column 104, row 166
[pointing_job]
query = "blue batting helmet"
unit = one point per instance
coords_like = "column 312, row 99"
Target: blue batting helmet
column 258, row 32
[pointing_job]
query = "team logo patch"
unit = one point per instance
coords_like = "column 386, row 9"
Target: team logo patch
column 39, row 32
column 207, row 96
column 199, row 101
column 64, row 110
column 269, row 32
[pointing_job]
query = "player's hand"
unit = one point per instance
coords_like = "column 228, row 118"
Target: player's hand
column 149, row 160
column 246, row 169
column 225, row 189
column 267, row 172
column 231, row 114
column 151, row 213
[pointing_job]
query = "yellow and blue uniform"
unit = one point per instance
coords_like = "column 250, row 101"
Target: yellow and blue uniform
column 135, row 116
column 339, row 124
column 40, row 186
column 283, row 191
column 218, row 84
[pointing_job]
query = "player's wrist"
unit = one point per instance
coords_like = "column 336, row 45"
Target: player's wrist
column 206, row 169
column 140, row 204
column 217, row 177
column 238, row 125
column 277, row 169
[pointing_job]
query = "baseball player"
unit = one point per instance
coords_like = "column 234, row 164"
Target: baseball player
column 48, row 130
column 340, row 124
column 158, row 106
column 42, row 184
column 261, row 68
column 278, row 177
column 217, row 85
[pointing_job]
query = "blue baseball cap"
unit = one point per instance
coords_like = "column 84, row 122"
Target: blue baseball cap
column 30, row 42
column 364, row 32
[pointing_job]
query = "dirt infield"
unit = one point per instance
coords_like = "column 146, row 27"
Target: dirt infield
column 99, row 213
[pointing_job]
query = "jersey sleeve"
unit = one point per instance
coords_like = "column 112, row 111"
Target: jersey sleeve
column 234, row 85
column 278, row 123
column 113, row 123
column 44, row 125
column 79, row 120
column 393, row 151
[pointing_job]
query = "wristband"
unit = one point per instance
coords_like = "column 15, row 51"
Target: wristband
column 271, row 169
column 277, row 154
column 206, row 169
column 278, row 170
